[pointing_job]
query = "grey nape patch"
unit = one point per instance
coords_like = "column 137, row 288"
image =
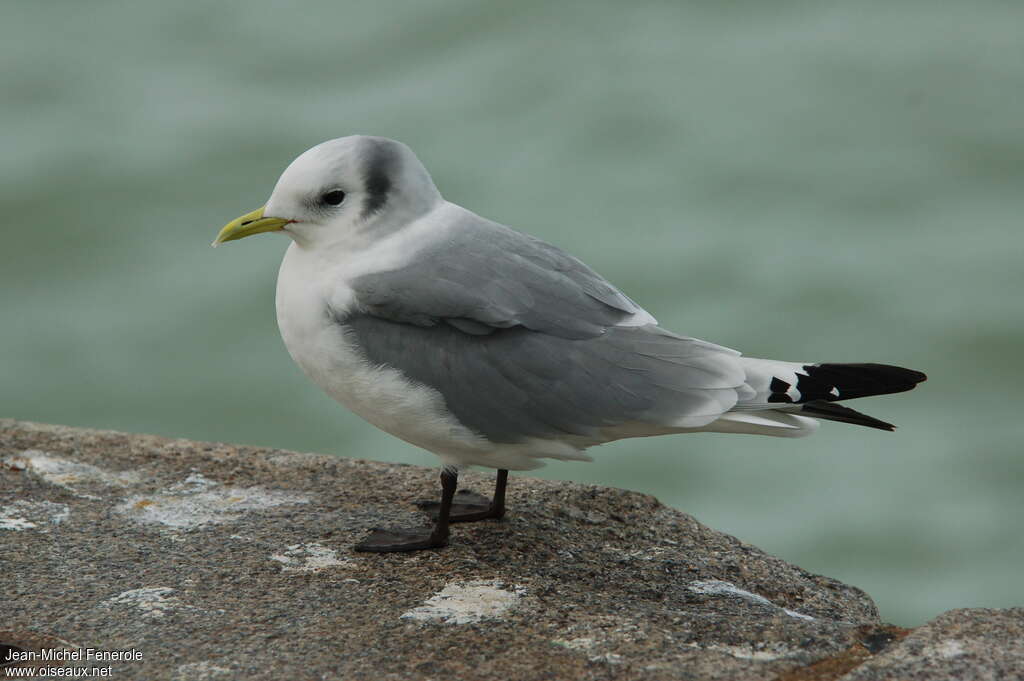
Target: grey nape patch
column 382, row 163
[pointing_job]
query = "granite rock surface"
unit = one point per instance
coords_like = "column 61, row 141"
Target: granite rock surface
column 213, row 561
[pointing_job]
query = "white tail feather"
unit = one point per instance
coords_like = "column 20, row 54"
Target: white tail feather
column 769, row 422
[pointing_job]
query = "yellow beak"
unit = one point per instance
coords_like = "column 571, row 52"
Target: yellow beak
column 249, row 224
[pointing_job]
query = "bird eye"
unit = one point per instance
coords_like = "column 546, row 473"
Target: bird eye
column 334, row 197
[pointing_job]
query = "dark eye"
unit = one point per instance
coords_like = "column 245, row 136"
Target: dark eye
column 333, row 197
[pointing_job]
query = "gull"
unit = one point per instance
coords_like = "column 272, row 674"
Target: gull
column 489, row 347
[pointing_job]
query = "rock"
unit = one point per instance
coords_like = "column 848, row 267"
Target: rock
column 212, row 561
column 960, row 644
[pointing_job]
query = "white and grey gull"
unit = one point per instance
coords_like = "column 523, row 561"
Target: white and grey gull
column 490, row 347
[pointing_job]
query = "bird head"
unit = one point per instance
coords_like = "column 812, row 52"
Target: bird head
column 349, row 189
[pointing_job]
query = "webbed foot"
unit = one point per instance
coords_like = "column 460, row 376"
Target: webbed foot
column 467, row 507
column 402, row 539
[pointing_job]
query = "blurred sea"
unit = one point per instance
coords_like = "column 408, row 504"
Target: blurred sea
column 807, row 181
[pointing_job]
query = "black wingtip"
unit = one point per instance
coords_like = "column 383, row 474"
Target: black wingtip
column 862, row 380
column 831, row 411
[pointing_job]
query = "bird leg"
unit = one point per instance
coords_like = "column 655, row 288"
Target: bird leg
column 414, row 539
column 469, row 506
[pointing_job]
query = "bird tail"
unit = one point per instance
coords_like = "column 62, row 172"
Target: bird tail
column 812, row 389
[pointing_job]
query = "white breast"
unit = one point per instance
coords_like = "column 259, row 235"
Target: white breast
column 313, row 294
column 309, row 300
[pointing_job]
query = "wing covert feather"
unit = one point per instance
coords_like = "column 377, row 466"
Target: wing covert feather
column 523, row 340
column 496, row 276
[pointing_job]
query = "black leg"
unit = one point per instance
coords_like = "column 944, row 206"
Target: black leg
column 402, row 539
column 469, row 507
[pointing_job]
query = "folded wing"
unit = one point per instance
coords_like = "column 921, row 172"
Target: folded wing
column 522, row 340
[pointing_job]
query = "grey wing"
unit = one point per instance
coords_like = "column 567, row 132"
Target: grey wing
column 516, row 383
column 522, row 341
column 499, row 278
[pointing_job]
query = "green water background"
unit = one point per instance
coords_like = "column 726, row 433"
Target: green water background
column 800, row 180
